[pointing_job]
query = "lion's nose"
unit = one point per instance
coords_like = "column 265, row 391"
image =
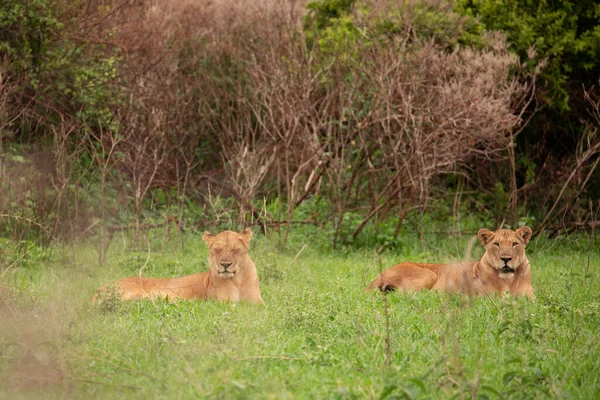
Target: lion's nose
column 506, row 259
column 225, row 264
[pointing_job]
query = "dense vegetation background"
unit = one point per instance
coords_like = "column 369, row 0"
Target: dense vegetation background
column 383, row 130
column 360, row 113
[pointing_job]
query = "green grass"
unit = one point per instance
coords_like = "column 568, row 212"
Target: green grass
column 317, row 335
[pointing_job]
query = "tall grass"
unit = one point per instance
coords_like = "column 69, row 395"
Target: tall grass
column 317, row 335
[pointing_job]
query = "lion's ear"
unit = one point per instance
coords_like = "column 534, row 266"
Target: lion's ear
column 525, row 233
column 485, row 235
column 208, row 238
column 246, row 235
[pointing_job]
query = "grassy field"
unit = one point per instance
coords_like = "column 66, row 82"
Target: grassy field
column 317, row 335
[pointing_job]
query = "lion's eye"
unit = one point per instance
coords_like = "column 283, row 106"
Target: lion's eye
column 496, row 244
column 515, row 244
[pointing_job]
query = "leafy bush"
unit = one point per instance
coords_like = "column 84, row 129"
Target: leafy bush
column 565, row 33
column 61, row 73
column 338, row 118
column 564, row 37
column 366, row 105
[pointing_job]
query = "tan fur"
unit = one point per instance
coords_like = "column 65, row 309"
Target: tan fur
column 232, row 276
column 504, row 267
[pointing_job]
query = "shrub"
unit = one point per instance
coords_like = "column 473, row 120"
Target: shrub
column 565, row 33
column 566, row 36
column 368, row 121
column 364, row 104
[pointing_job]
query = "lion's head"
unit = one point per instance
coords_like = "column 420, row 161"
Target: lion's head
column 505, row 249
column 228, row 251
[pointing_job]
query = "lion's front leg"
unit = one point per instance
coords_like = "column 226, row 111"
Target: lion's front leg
column 252, row 297
column 228, row 294
column 523, row 287
column 251, row 292
column 525, row 290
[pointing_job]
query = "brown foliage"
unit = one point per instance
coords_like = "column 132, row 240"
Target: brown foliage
column 374, row 131
column 234, row 87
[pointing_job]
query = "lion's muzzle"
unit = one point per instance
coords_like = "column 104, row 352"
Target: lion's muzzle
column 225, row 270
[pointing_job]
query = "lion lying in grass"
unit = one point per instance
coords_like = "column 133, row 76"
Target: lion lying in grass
column 502, row 268
column 232, row 276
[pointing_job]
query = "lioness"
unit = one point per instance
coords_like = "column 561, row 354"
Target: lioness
column 502, row 268
column 232, row 275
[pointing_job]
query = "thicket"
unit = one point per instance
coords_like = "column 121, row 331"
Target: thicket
column 560, row 141
column 340, row 113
